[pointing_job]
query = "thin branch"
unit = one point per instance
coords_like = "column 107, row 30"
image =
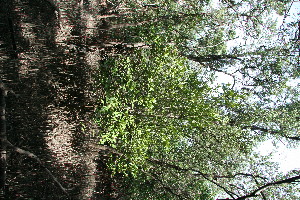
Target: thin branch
column 273, row 132
column 254, row 193
column 155, row 177
column 7, row 144
column 178, row 168
column 242, row 174
column 31, row 155
column 260, row 189
column 288, row 180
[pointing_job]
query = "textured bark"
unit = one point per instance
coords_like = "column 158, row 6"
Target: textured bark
column 53, row 5
column 33, row 156
column 7, row 144
column 3, row 145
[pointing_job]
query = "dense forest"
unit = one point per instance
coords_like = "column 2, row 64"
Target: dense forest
column 148, row 99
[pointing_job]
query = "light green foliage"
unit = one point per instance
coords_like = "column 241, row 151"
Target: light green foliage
column 174, row 132
column 156, row 106
column 150, row 106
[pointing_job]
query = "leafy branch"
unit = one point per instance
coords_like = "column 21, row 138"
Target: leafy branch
column 261, row 188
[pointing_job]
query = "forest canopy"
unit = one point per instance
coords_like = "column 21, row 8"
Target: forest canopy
column 165, row 99
column 175, row 128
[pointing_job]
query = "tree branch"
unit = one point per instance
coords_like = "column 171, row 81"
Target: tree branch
column 241, row 174
column 4, row 144
column 273, row 132
column 31, row 155
column 178, row 168
column 254, row 193
column 170, row 190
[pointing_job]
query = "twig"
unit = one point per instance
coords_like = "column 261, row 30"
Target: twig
column 7, row 144
column 260, row 189
column 31, row 155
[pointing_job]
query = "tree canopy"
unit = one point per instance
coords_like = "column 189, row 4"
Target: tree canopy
column 148, row 99
column 176, row 131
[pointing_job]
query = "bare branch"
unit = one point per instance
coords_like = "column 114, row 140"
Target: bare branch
column 273, row 132
column 178, row 168
column 31, row 155
column 260, row 189
column 242, row 174
column 4, row 144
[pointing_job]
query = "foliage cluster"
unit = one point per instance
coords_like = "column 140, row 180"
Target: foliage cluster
column 157, row 107
column 177, row 133
column 148, row 102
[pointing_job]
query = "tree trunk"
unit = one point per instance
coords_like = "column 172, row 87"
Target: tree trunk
column 3, row 137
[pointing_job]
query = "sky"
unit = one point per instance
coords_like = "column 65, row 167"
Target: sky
column 288, row 158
